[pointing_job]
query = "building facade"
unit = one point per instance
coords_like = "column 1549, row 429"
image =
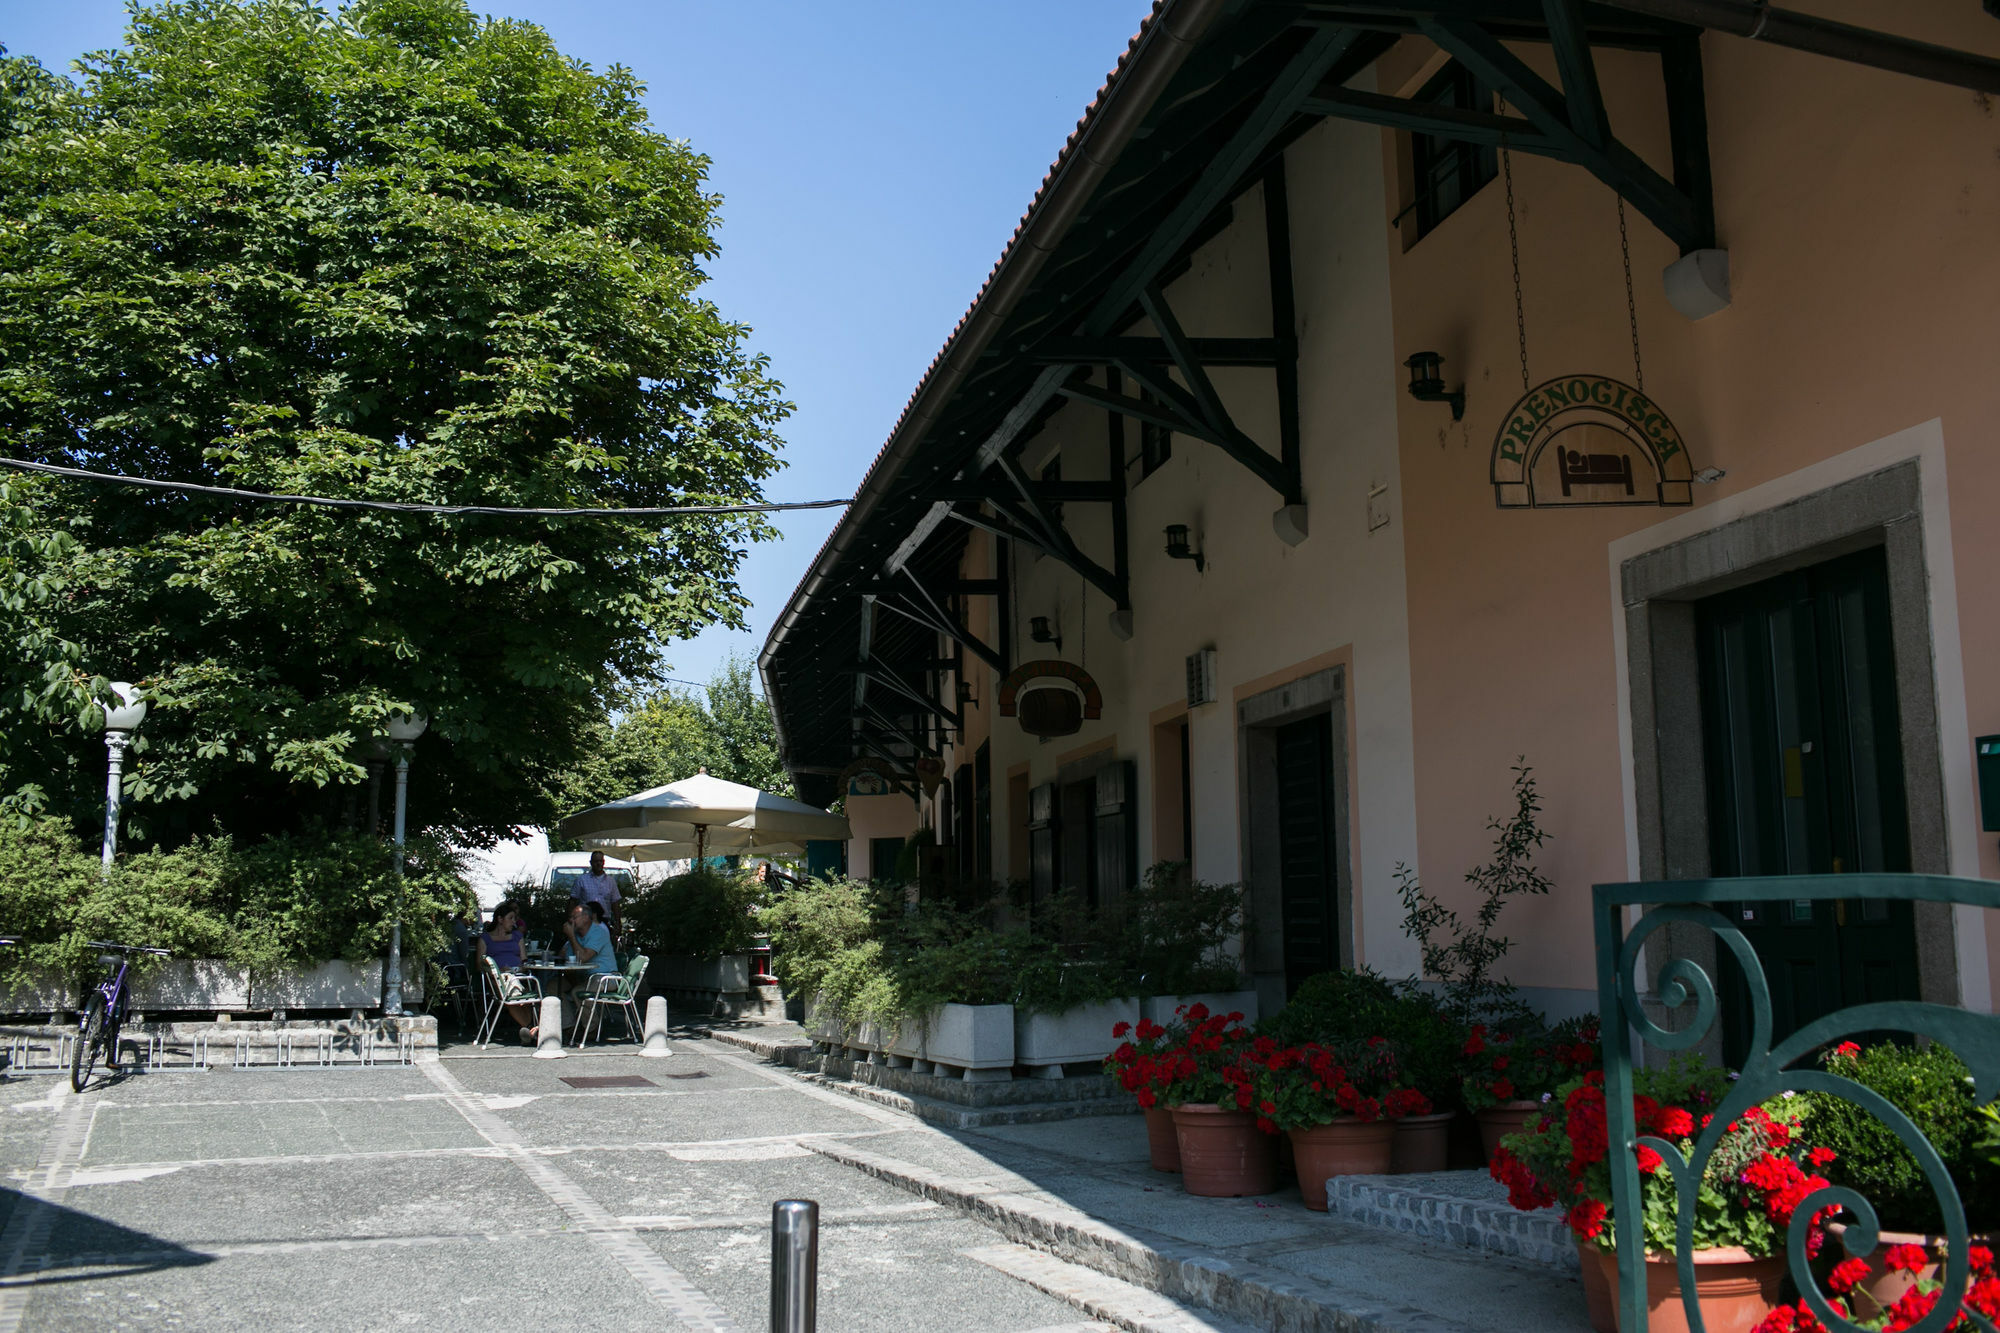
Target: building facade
column 1377, row 397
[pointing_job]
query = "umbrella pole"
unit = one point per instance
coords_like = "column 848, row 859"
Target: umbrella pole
column 700, row 842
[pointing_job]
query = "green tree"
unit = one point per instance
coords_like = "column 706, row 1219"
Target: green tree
column 394, row 252
column 675, row 733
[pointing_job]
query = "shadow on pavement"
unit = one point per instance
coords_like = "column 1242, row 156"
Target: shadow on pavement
column 79, row 1246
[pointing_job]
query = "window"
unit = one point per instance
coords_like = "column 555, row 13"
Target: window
column 1447, row 172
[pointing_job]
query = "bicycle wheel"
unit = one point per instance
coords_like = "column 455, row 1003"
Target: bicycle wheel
column 89, row 1040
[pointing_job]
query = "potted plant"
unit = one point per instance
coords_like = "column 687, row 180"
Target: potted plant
column 1509, row 1072
column 1223, row 1153
column 1146, row 1066
column 1338, row 1108
column 1933, row 1088
column 1918, row 1301
column 1750, row 1187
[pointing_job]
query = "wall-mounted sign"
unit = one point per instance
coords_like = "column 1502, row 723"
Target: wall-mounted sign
column 1589, row 440
column 868, row 776
column 1051, row 668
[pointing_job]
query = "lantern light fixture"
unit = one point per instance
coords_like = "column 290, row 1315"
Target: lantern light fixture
column 1178, row 548
column 1040, row 632
column 1427, row 383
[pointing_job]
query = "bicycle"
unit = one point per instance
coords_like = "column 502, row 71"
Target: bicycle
column 104, row 1012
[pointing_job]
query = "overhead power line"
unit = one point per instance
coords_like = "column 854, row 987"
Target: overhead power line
column 412, row 507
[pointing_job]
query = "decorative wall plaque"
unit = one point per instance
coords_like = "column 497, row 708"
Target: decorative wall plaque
column 1589, row 440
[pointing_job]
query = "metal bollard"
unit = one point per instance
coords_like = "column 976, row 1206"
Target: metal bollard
column 794, row 1266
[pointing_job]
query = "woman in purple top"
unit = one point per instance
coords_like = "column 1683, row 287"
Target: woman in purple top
column 501, row 942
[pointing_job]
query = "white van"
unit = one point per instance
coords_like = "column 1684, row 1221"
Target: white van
column 566, row 868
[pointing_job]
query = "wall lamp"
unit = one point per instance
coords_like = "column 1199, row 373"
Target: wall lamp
column 1427, row 385
column 1178, row 549
column 1039, row 631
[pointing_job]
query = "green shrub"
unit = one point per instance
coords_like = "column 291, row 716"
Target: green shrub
column 705, row 913
column 1340, row 1008
column 1931, row 1086
column 297, row 899
column 1172, row 934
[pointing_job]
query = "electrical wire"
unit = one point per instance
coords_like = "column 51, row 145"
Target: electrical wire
column 412, row 507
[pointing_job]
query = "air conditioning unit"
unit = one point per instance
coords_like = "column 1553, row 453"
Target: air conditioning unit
column 1201, row 677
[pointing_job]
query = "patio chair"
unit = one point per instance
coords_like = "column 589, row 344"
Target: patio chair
column 456, row 993
column 503, row 989
column 611, row 990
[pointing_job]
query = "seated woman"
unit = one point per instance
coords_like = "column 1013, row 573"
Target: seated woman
column 501, row 942
column 589, row 937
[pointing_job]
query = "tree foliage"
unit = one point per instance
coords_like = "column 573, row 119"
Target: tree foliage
column 675, row 733
column 394, row 252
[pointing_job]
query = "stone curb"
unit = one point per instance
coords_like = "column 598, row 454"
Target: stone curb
column 1267, row 1297
column 1490, row 1226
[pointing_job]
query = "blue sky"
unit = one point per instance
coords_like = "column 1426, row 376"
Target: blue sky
column 873, row 160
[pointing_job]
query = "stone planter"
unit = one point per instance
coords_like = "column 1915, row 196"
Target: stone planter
column 1346, row 1147
column 823, row 1021
column 1734, row 1290
column 1223, row 1153
column 1496, row 1122
column 335, row 985
column 729, row 973
column 46, row 991
column 1423, row 1143
column 973, row 1041
column 1161, row 1008
column 1047, row 1042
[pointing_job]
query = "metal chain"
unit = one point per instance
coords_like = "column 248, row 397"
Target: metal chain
column 1514, row 249
column 1631, row 306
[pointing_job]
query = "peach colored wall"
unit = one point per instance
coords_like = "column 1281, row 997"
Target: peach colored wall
column 1861, row 211
column 891, row 816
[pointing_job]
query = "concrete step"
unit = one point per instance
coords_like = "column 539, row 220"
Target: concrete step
column 1467, row 1208
column 1117, row 1304
column 1287, row 1293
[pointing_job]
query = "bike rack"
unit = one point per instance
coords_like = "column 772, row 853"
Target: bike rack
column 151, row 1053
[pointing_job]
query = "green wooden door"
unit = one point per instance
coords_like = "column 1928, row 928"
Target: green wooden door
column 1311, row 921
column 1804, row 767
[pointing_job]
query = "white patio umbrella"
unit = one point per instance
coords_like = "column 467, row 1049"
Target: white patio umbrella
column 710, row 814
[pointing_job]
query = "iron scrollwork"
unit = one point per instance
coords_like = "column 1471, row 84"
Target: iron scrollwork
column 1768, row 1071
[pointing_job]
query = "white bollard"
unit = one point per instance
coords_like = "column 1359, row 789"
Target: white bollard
column 548, row 1043
column 656, row 1027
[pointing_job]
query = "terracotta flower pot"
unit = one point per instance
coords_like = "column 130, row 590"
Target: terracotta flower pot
column 1496, row 1122
column 1162, row 1145
column 1882, row 1288
column 1347, row 1147
column 1223, row 1154
column 1735, row 1290
column 1597, row 1297
column 1423, row 1143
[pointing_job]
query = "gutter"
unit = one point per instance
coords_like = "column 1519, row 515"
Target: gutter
column 1156, row 56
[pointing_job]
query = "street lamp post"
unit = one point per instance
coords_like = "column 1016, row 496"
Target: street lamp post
column 119, row 724
column 404, row 728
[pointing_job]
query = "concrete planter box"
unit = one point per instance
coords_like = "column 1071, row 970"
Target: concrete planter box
column 194, row 983
column 1160, row 1008
column 978, row 1039
column 823, row 1022
column 729, row 973
column 46, row 991
column 1076, row 1036
column 335, row 985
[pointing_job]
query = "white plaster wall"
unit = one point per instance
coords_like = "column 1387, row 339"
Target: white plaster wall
column 1267, row 608
column 890, row 816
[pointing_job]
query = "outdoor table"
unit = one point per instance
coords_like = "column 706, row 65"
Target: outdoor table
column 552, row 977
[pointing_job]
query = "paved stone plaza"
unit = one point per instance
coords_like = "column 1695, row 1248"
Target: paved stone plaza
column 482, row 1190
column 473, row 1193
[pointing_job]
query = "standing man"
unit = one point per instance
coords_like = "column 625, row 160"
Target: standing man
column 595, row 886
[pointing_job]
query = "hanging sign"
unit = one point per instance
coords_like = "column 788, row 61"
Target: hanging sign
column 1589, row 440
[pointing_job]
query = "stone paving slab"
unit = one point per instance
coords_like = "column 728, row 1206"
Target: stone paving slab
column 886, row 1277
column 123, row 1133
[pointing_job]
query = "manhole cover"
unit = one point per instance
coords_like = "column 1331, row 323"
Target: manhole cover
column 612, row 1081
